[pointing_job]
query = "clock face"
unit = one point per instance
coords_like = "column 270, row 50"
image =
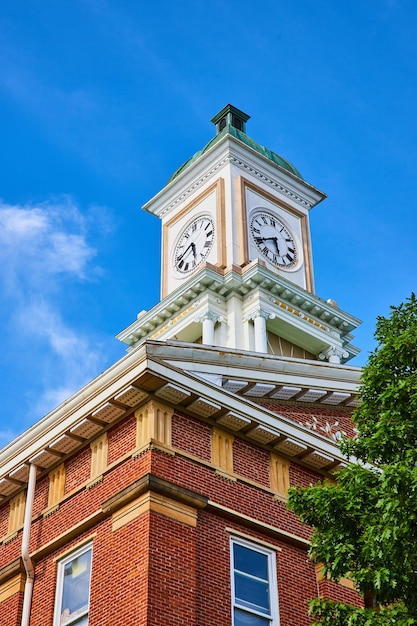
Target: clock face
column 194, row 244
column 273, row 240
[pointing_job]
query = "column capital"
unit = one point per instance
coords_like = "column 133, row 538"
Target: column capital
column 259, row 312
column 333, row 354
column 212, row 316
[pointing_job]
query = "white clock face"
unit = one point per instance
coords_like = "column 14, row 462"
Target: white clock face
column 194, row 244
column 273, row 240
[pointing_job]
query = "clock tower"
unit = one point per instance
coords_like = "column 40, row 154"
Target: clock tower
column 237, row 266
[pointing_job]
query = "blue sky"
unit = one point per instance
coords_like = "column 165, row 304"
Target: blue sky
column 101, row 100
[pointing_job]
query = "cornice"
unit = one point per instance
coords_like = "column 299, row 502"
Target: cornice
column 232, row 151
column 156, row 368
column 276, row 184
column 289, row 301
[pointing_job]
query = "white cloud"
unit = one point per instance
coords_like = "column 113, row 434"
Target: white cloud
column 69, row 357
column 45, row 254
column 43, row 240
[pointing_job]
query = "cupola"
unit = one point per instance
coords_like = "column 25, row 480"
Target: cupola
column 230, row 116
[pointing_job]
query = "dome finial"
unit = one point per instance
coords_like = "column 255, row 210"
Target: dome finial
column 230, row 116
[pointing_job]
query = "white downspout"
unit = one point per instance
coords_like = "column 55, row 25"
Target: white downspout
column 27, row 561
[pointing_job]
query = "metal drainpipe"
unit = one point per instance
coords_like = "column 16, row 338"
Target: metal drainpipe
column 27, row 561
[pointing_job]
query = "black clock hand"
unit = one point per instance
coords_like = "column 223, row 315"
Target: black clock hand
column 192, row 246
column 274, row 239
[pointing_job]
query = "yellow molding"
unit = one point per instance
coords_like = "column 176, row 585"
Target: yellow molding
column 153, row 423
column 56, row 485
column 94, row 481
column 172, row 322
column 298, row 313
column 12, row 586
column 222, row 450
column 99, row 451
column 242, row 220
column 344, row 582
column 221, row 224
column 16, row 512
column 279, row 474
column 158, row 504
column 173, row 509
column 8, row 538
column 50, row 510
column 241, row 518
column 226, row 476
column 153, row 445
column 78, row 545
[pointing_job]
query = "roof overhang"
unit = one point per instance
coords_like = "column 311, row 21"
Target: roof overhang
column 197, row 380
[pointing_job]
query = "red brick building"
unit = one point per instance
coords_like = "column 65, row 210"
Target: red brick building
column 156, row 495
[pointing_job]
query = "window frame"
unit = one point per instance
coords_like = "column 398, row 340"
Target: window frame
column 272, row 619
column 59, row 591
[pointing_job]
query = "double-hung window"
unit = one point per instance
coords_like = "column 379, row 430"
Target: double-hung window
column 73, row 588
column 254, row 584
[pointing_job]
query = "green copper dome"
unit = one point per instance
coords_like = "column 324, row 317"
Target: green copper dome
column 232, row 121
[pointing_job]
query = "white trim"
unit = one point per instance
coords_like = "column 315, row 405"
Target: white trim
column 79, row 546
column 60, row 584
column 273, row 618
column 265, row 544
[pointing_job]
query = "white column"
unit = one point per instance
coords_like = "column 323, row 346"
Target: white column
column 208, row 321
column 259, row 323
column 208, row 330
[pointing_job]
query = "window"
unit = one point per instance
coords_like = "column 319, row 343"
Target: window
column 254, row 585
column 73, row 588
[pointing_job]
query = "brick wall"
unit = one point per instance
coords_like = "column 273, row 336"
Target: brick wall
column 157, row 569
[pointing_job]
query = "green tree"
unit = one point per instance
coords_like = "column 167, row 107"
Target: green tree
column 365, row 527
